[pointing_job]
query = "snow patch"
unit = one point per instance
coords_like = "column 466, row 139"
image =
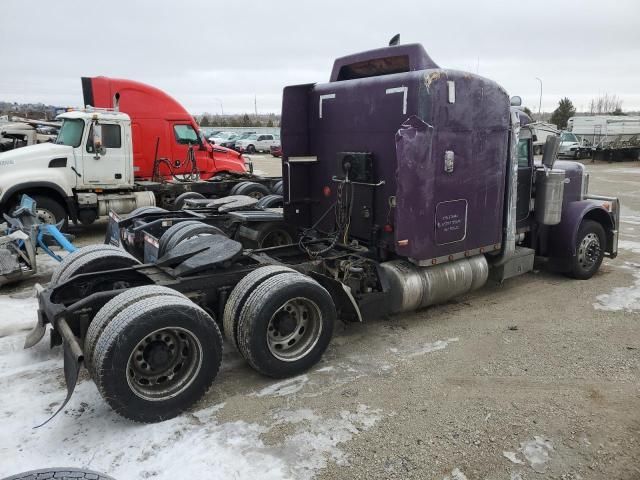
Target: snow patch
column 515, row 476
column 432, row 347
column 537, row 452
column 18, row 314
column 621, row 298
column 315, row 440
column 91, row 435
column 456, row 474
column 629, row 245
column 630, row 219
column 285, row 387
column 87, row 433
column 513, row 457
column 325, row 369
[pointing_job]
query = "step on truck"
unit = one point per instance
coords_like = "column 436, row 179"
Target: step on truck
column 411, row 184
column 131, row 146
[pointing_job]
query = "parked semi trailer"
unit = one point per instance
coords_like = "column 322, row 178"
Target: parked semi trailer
column 132, row 146
column 604, row 137
column 411, row 184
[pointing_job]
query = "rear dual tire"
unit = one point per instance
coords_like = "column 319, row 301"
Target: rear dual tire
column 250, row 189
column 281, row 321
column 155, row 357
column 91, row 259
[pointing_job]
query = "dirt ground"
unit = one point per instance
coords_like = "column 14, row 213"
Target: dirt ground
column 538, row 378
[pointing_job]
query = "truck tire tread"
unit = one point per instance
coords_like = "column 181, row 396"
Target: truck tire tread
column 170, row 232
column 239, row 295
column 60, row 473
column 82, row 264
column 588, row 226
column 112, row 308
column 188, row 231
column 257, row 190
column 254, row 312
column 74, row 256
column 234, row 189
column 270, row 201
column 119, row 331
column 180, row 199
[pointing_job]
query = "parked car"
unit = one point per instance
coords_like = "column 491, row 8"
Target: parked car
column 209, row 132
column 276, row 150
column 569, row 145
column 256, row 143
column 241, row 136
column 220, row 137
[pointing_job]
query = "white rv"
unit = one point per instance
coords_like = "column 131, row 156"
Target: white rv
column 601, row 130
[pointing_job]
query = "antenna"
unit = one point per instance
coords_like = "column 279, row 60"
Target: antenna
column 395, row 40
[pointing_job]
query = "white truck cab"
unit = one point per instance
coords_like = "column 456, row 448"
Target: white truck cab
column 85, row 173
column 101, row 142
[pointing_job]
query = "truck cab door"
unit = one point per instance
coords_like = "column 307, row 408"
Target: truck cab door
column 108, row 166
column 184, row 137
column 525, row 180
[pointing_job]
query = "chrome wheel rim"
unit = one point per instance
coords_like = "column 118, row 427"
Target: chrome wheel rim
column 589, row 251
column 294, row 329
column 164, row 363
column 45, row 216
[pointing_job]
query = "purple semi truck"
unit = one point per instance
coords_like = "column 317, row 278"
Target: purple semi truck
column 408, row 185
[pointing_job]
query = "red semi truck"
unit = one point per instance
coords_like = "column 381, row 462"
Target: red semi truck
column 132, row 146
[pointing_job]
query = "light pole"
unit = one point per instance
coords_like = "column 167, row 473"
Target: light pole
column 221, row 109
column 540, row 104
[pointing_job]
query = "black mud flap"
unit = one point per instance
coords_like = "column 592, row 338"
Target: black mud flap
column 73, row 358
column 35, row 335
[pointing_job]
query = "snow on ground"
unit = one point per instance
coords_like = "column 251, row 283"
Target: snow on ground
column 537, row 452
column 512, row 456
column 88, row 434
column 285, row 387
column 432, row 347
column 456, row 474
column 622, row 298
column 629, row 245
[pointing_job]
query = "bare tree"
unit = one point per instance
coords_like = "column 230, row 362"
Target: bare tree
column 605, row 104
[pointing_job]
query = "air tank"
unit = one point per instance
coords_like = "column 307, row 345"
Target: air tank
column 413, row 287
column 549, row 193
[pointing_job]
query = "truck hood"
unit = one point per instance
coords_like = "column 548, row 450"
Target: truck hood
column 34, row 154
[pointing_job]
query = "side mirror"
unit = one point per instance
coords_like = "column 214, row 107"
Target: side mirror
column 516, row 101
column 96, row 140
column 550, row 153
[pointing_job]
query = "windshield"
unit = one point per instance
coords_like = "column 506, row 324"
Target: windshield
column 568, row 137
column 252, row 137
column 71, row 132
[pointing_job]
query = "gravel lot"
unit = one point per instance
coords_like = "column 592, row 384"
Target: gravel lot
column 537, row 378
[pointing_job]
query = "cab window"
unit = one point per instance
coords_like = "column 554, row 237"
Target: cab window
column 71, row 132
column 185, row 134
column 111, row 137
column 523, row 152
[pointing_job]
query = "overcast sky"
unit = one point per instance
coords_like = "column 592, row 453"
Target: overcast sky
column 212, row 53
